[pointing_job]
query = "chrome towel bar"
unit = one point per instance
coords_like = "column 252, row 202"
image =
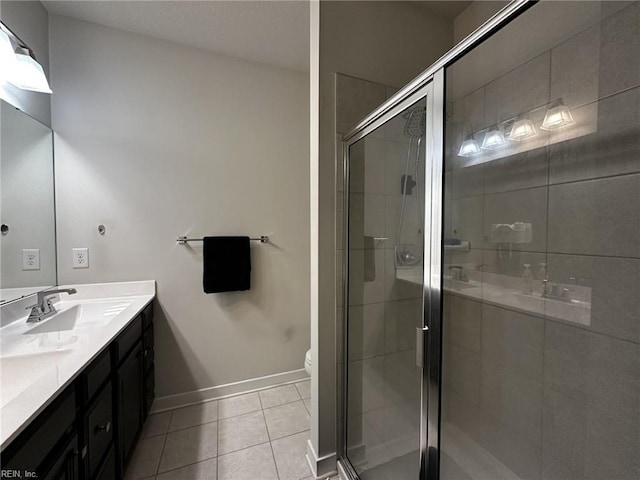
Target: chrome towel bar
column 182, row 240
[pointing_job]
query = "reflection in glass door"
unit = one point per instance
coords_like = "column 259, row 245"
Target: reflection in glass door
column 541, row 323
column 385, row 202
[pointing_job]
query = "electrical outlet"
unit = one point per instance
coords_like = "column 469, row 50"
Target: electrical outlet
column 30, row 259
column 80, row 258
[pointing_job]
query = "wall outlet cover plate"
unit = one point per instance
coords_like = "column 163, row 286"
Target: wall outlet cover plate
column 30, row 259
column 80, row 258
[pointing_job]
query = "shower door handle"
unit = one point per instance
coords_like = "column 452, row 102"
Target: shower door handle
column 422, row 334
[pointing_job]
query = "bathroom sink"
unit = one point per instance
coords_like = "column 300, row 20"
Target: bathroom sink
column 457, row 285
column 17, row 371
column 76, row 316
column 60, row 322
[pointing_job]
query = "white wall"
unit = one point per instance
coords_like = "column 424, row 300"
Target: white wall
column 385, row 42
column 156, row 140
column 29, row 20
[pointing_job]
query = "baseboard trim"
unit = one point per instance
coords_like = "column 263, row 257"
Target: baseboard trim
column 170, row 402
column 322, row 467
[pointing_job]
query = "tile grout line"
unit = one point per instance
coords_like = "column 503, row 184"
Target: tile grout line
column 217, row 437
column 273, row 456
column 166, row 434
column 163, row 445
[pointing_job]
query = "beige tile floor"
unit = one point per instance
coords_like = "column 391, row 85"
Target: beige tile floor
column 255, row 436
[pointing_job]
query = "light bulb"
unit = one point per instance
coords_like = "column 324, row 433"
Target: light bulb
column 7, row 58
column 521, row 129
column 557, row 117
column 469, row 147
column 29, row 74
column 493, row 139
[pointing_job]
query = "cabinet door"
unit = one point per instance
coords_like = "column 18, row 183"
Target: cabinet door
column 129, row 402
column 66, row 465
column 99, row 428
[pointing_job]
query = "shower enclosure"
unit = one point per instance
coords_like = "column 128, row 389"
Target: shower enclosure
column 492, row 258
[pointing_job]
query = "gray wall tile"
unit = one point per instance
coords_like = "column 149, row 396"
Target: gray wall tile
column 613, row 284
column 466, row 219
column 513, row 340
column 520, row 90
column 597, row 217
column 613, row 149
column 513, row 398
column 401, row 318
column 461, row 372
column 529, row 206
column 575, row 67
column 462, row 323
column 515, row 172
column 600, row 370
column 366, row 331
column 619, row 59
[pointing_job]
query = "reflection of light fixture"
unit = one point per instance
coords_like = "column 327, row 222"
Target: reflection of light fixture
column 7, row 58
column 557, row 116
column 493, row 138
column 28, row 74
column 469, row 147
column 522, row 128
column 18, row 64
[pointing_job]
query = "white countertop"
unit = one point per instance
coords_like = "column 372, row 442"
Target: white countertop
column 36, row 364
column 506, row 291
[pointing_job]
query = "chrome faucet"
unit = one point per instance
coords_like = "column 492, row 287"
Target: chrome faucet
column 43, row 307
column 458, row 273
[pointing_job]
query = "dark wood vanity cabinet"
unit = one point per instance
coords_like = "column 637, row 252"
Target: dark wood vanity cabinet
column 129, row 403
column 89, row 431
column 48, row 447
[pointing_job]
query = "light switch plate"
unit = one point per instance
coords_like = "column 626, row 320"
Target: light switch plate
column 80, row 258
column 30, row 259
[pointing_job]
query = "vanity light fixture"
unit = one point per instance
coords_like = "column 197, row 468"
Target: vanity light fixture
column 28, row 73
column 494, row 138
column 557, row 116
column 18, row 64
column 469, row 147
column 7, row 57
column 522, row 128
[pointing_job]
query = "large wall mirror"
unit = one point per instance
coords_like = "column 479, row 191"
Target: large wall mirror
column 27, row 214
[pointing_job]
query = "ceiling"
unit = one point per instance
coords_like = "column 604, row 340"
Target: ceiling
column 272, row 32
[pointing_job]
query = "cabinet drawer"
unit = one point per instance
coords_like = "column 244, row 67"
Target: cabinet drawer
column 148, row 350
column 42, row 436
column 127, row 339
column 96, row 375
column 147, row 315
column 99, row 428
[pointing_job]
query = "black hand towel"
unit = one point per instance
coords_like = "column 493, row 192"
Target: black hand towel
column 227, row 264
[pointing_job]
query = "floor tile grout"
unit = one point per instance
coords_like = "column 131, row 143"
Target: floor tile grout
column 217, row 456
column 163, row 445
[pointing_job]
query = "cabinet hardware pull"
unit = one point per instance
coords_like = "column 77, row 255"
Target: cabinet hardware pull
column 104, row 428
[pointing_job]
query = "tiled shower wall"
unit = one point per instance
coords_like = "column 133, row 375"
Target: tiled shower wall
column 548, row 398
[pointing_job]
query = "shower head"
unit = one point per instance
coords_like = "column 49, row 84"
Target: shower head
column 416, row 122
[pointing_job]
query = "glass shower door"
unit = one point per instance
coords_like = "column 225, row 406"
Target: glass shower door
column 384, row 221
column 541, row 323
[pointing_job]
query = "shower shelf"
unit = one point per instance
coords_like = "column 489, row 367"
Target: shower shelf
column 463, row 247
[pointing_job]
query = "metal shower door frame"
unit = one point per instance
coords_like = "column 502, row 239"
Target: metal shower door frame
column 429, row 84
column 432, row 154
